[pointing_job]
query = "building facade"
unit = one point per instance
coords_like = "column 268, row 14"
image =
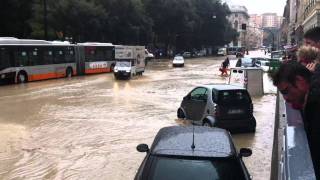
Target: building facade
column 271, row 20
column 311, row 14
column 239, row 15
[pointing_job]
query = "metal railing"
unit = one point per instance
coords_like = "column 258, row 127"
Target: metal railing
column 291, row 159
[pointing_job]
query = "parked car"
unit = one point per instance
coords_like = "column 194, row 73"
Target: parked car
column 201, row 53
column 277, row 55
column 174, row 156
column 239, row 54
column 186, row 54
column 222, row 52
column 178, row 61
column 249, row 62
column 262, row 62
column 220, row 105
column 148, row 55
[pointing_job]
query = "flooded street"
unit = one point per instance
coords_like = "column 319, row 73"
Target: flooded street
column 88, row 127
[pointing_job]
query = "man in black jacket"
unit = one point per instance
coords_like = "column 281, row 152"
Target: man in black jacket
column 295, row 83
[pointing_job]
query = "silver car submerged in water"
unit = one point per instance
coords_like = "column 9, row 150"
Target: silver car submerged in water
column 219, row 105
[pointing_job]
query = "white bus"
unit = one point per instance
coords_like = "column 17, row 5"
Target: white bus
column 23, row 60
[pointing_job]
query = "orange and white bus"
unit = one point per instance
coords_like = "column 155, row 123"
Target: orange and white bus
column 23, row 60
column 94, row 57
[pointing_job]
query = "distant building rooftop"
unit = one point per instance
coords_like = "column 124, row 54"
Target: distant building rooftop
column 239, row 9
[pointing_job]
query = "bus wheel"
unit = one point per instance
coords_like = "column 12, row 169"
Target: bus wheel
column 69, row 73
column 22, row 77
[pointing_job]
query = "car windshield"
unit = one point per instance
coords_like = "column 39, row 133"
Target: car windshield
column 234, row 97
column 192, row 169
column 178, row 58
column 276, row 54
column 123, row 63
column 246, row 60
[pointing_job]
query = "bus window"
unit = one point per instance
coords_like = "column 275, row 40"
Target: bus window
column 21, row 56
column 4, row 58
column 90, row 53
column 59, row 55
column 109, row 56
column 34, row 57
column 48, row 55
column 69, row 54
column 99, row 56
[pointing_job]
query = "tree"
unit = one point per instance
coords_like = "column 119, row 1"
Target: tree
column 127, row 22
column 14, row 16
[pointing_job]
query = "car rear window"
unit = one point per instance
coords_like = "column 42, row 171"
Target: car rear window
column 190, row 169
column 234, row 97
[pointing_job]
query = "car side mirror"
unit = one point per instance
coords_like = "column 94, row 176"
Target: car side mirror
column 142, row 148
column 245, row 152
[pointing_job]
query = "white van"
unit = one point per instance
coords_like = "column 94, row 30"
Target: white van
column 130, row 61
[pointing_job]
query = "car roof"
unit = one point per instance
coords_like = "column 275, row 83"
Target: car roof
column 222, row 87
column 177, row 141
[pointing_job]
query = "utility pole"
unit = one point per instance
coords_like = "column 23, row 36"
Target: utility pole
column 45, row 20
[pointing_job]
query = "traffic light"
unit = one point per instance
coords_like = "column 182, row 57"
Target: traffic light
column 244, row 27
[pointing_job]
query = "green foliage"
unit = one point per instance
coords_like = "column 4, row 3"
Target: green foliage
column 171, row 24
column 14, row 16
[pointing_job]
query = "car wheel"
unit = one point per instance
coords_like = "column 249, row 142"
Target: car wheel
column 207, row 124
column 180, row 114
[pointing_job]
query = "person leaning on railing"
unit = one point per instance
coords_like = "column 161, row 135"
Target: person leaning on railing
column 294, row 83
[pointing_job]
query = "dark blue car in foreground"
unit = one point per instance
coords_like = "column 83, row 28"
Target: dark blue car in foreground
column 178, row 153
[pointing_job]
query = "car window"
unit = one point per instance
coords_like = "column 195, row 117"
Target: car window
column 214, row 96
column 191, row 169
column 246, row 60
column 199, row 93
column 234, row 97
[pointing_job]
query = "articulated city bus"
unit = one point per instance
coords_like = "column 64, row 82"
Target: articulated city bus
column 23, row 60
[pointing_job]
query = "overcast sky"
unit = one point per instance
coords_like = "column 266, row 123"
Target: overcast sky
column 260, row 6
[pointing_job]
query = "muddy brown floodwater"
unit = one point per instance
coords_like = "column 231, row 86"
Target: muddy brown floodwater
column 88, row 127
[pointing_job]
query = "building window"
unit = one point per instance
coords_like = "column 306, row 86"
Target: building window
column 236, row 25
